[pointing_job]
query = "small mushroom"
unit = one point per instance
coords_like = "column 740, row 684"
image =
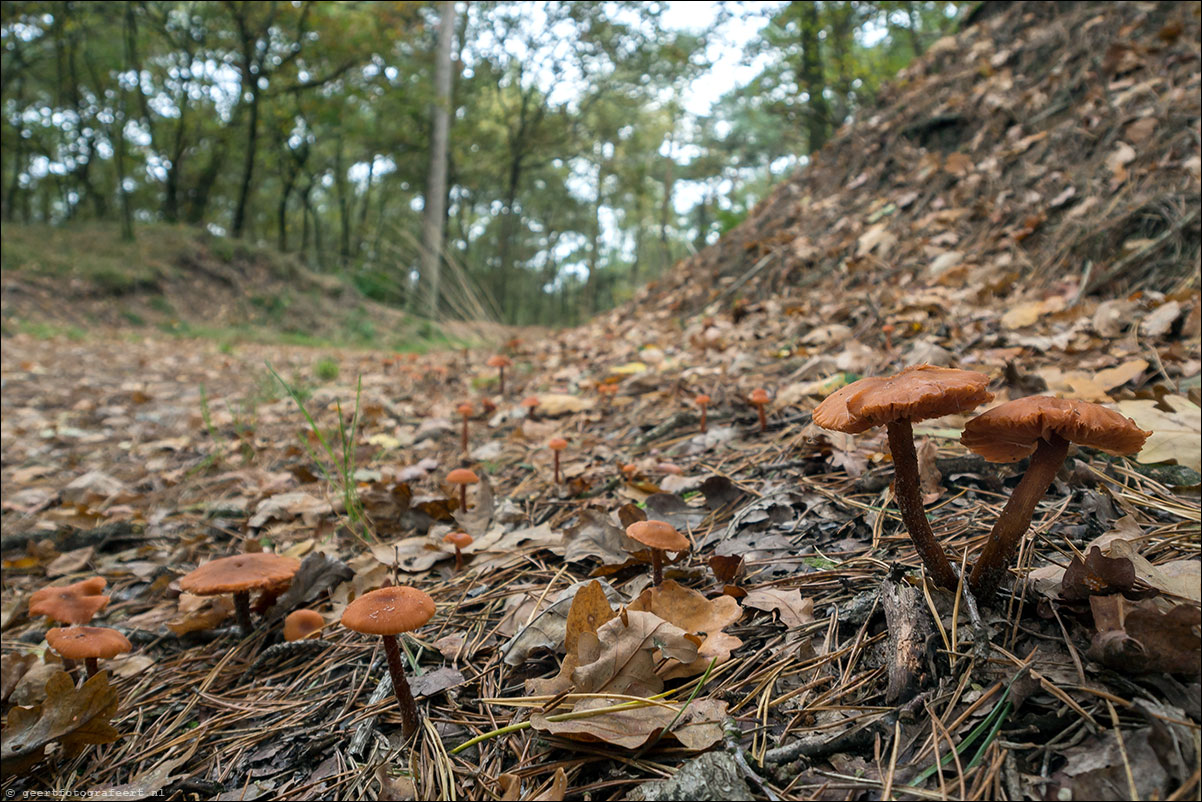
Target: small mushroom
column 302, row 624
column 89, row 644
column 463, row 477
column 915, row 394
column 759, row 399
column 239, row 575
column 557, row 444
column 661, row 537
column 500, row 363
column 460, row 540
column 1042, row 428
column 703, row 401
column 530, row 403
column 388, row 612
column 70, row 604
column 464, row 409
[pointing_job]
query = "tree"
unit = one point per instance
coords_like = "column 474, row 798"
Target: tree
column 436, row 185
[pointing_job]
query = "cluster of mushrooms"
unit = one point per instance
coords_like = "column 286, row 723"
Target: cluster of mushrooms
column 1041, row 428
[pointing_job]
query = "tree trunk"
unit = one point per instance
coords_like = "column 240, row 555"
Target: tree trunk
column 434, row 213
column 811, row 78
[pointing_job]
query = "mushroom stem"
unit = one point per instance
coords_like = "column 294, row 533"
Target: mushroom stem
column 703, row 418
column 463, row 497
column 92, row 665
column 909, row 502
column 657, row 567
column 502, row 371
column 242, row 610
column 556, row 453
column 458, row 557
column 763, row 420
column 1012, row 524
column 400, row 685
column 69, row 666
column 465, row 434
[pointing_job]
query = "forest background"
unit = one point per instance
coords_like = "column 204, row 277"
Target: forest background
column 535, row 165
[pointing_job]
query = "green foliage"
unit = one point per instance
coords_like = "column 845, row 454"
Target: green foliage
column 567, row 164
column 326, row 369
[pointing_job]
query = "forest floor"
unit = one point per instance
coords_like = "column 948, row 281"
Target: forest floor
column 795, row 650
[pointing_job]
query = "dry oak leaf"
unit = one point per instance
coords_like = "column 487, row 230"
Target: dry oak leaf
column 793, row 609
column 1175, row 434
column 511, row 788
column 1096, row 575
column 595, row 535
column 688, row 609
column 590, row 609
column 72, row 717
column 699, row 727
column 622, row 656
column 555, row 404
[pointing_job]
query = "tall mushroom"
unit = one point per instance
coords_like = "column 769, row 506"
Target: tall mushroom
column 388, row 612
column 530, row 403
column 464, row 409
column 661, row 537
column 759, row 398
column 702, row 400
column 460, row 540
column 500, row 362
column 1042, row 428
column 239, row 575
column 89, row 644
column 557, row 444
column 915, row 394
column 463, row 477
column 77, row 603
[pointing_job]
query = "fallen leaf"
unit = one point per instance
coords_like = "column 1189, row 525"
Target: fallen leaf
column 699, row 727
column 594, row 535
column 1097, row 575
column 621, row 657
column 1175, row 434
column 548, row 629
column 72, row 717
column 794, row 611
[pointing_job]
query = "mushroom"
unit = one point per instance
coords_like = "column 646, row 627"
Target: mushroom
column 302, row 624
column 530, row 403
column 460, row 540
column 1042, row 428
column 661, row 537
column 239, row 575
column 88, row 644
column 702, row 401
column 388, row 612
column 70, row 604
column 557, row 444
column 463, row 477
column 500, row 363
column 759, row 399
column 916, row 393
column 464, row 409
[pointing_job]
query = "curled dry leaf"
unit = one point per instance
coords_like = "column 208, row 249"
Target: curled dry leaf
column 622, row 656
column 72, row 717
column 594, row 535
column 793, row 609
column 699, row 727
column 547, row 630
column 200, row 612
column 1096, row 575
column 1139, row 637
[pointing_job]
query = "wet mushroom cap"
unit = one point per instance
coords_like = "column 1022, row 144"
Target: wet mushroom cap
column 464, row 409
column 462, row 476
column 81, row 643
column 389, row 611
column 658, row 535
column 499, row 361
column 460, row 539
column 242, row 572
column 530, row 402
column 760, row 396
column 557, row 444
column 701, row 400
column 1011, row 431
column 70, row 604
column 916, row 393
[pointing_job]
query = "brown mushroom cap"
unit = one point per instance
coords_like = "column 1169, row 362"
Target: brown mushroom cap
column 462, row 476
column 301, row 624
column 242, row 572
column 557, row 444
column 701, row 400
column 70, row 604
column 388, row 611
column 460, row 539
column 530, row 401
column 1011, row 431
column 760, row 396
column 658, row 535
column 464, row 409
column 499, row 361
column 80, row 643
column 916, row 393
